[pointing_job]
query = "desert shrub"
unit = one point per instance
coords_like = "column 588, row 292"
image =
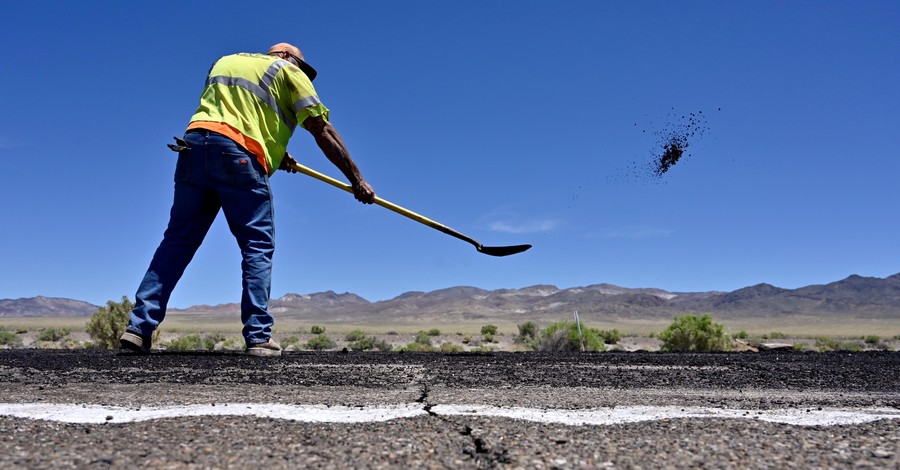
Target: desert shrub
column 466, row 339
column 451, row 348
column 825, row 344
column 355, row 335
column 609, row 336
column 320, row 342
column 370, row 342
column 740, row 335
column 433, row 332
column 291, row 341
column 777, row 335
column 423, row 337
column 528, row 333
column 197, row 342
column 872, row 339
column 488, row 338
column 489, row 330
column 21, row 331
column 694, row 333
column 317, row 330
column 192, row 342
column 418, row 347
column 210, row 340
column 233, row 344
column 108, row 323
column 563, row 336
column 53, row 334
column 8, row 338
column 528, row 329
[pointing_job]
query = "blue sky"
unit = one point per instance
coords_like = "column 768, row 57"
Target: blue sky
column 511, row 121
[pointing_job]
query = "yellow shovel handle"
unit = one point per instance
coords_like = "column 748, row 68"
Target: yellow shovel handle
column 488, row 250
column 386, row 204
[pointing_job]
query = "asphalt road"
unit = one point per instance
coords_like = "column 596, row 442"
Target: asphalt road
column 100, row 409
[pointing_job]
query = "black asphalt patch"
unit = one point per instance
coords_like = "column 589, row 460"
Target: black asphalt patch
column 802, row 382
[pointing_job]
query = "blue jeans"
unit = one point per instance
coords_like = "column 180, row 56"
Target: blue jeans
column 215, row 173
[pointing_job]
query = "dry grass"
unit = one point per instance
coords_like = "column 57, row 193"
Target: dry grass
column 178, row 323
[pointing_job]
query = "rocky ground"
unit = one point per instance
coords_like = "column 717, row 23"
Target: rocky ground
column 792, row 383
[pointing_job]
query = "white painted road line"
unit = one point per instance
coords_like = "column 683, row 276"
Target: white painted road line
column 94, row 414
column 97, row 414
column 634, row 414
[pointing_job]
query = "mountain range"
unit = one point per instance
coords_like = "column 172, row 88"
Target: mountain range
column 853, row 297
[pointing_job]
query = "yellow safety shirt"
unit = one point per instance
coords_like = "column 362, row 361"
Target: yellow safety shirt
column 257, row 100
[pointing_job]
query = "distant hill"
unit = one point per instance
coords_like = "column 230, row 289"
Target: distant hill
column 853, row 297
column 45, row 307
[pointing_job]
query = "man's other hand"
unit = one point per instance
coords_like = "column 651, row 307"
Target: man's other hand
column 287, row 163
column 363, row 192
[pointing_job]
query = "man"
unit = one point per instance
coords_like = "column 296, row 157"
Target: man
column 235, row 141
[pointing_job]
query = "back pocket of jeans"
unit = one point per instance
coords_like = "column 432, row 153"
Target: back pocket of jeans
column 239, row 170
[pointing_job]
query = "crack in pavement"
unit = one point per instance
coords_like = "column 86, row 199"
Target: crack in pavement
column 482, row 452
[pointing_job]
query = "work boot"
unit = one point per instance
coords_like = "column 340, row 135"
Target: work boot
column 135, row 342
column 269, row 348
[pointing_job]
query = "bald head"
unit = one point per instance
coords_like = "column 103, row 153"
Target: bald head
column 292, row 53
column 285, row 47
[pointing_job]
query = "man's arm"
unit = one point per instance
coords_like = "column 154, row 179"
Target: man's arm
column 328, row 139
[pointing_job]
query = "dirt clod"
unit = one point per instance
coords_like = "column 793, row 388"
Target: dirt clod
column 675, row 137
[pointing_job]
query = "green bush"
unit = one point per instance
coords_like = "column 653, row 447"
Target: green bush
column 21, row 331
column 355, row 335
column 211, row 340
column 528, row 333
column 192, row 342
column 207, row 342
column 434, row 332
column 418, row 347
column 825, row 344
column 320, row 342
column 451, row 348
column 740, row 335
column 317, row 330
column 489, row 330
column 488, row 338
column 466, row 339
column 370, row 342
column 609, row 336
column 694, row 333
column 234, row 344
column 528, row 329
column 777, row 335
column 108, row 323
column 53, row 334
column 423, row 337
column 872, row 339
column 563, row 336
column 8, row 338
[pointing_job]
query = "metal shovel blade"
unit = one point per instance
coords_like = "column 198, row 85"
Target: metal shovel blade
column 502, row 250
